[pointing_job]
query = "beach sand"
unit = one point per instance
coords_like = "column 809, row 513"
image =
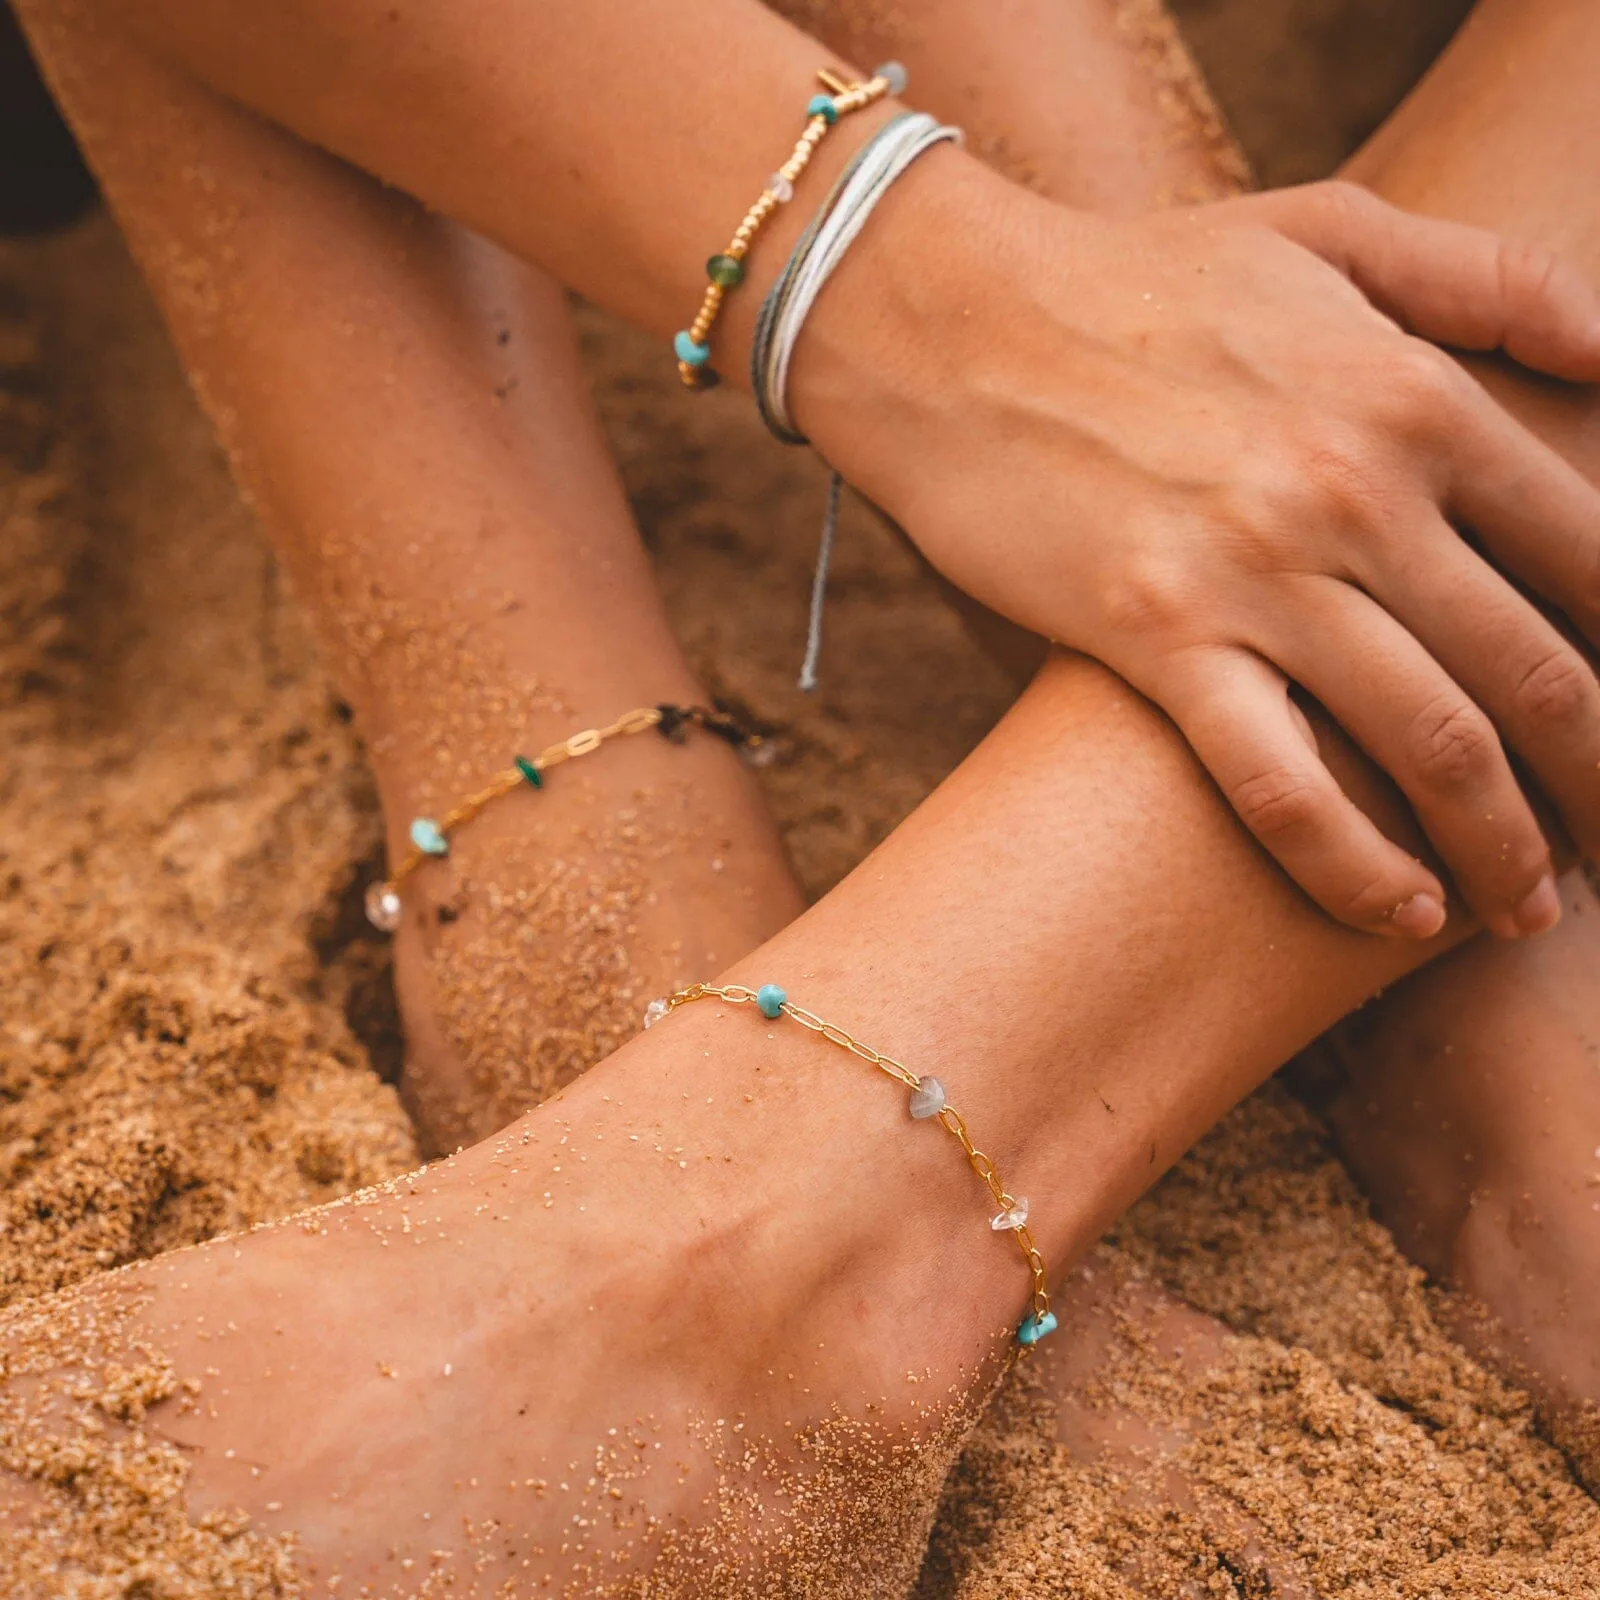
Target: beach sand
column 199, row 1033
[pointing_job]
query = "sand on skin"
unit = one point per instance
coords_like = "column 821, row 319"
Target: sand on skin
column 194, row 1009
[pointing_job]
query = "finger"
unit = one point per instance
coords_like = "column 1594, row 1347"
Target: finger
column 1447, row 281
column 1533, row 512
column 1537, row 689
column 1422, row 728
column 1235, row 711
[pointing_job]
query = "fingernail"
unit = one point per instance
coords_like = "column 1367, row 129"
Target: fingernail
column 1420, row 917
column 1540, row 908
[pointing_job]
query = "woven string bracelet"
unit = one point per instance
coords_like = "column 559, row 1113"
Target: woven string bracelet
column 431, row 838
column 692, row 345
column 876, row 167
column 928, row 1100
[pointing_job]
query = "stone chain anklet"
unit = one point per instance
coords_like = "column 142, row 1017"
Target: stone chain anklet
column 928, row 1100
column 692, row 345
column 430, row 838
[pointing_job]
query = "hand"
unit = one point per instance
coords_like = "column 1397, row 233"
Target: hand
column 1203, row 448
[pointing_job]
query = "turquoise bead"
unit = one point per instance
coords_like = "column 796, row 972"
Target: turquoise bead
column 821, row 105
column 427, row 837
column 1033, row 1328
column 770, row 999
column 686, row 349
column 530, row 772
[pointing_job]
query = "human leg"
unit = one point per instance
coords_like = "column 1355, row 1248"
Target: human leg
column 1077, row 180
column 1094, row 104
column 436, row 542
column 739, row 1202
column 406, row 406
column 363, row 465
column 1510, row 150
column 1467, row 1101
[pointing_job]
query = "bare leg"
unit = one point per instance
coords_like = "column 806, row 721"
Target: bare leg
column 1094, row 103
column 730, row 1221
column 478, row 580
column 1487, row 1173
column 406, row 405
column 444, row 639
column 1470, row 1103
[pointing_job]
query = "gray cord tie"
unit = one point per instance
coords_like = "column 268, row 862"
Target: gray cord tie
column 819, row 585
column 870, row 175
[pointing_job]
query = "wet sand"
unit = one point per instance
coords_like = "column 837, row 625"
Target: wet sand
column 198, row 1031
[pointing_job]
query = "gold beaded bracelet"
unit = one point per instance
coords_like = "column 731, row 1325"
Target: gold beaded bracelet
column 692, row 345
column 431, row 838
column 928, row 1100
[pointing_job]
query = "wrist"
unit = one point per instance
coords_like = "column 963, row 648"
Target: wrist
column 887, row 343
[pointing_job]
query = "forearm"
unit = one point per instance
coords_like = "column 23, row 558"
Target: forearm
column 615, row 143
column 1135, row 439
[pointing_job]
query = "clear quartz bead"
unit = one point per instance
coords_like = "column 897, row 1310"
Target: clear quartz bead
column 780, row 188
column 895, row 75
column 384, row 906
column 1014, row 1216
column 654, row 1012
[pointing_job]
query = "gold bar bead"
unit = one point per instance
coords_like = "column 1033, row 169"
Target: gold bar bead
column 848, row 95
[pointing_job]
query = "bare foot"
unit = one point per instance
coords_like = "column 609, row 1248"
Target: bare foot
column 1467, row 1102
column 1122, row 1382
column 556, row 1363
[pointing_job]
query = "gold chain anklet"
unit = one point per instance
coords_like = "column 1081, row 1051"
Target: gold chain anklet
column 430, row 838
column 692, row 345
column 928, row 1099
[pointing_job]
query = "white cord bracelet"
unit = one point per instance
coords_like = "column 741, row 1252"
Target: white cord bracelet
column 873, row 172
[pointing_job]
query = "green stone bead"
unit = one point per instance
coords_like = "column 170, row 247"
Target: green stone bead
column 530, row 772
column 726, row 270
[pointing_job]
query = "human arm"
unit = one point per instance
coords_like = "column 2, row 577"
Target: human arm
column 987, row 363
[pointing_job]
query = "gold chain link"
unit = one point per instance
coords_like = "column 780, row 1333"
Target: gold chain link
column 585, row 742
column 948, row 1117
